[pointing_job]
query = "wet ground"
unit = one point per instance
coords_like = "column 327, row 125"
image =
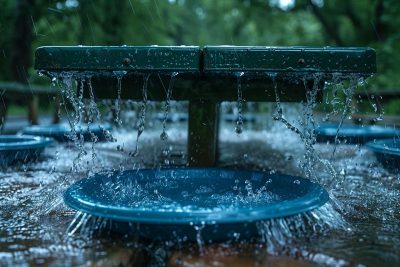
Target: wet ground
column 364, row 213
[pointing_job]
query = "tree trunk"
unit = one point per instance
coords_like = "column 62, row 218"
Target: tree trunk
column 22, row 41
column 21, row 50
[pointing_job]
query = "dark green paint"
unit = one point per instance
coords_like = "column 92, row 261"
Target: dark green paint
column 210, row 59
column 290, row 59
column 187, row 87
column 207, row 77
column 113, row 58
column 203, row 132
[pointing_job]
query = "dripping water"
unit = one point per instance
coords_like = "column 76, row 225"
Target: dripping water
column 142, row 118
column 308, row 134
column 199, row 238
column 69, row 96
column 349, row 91
column 164, row 136
column 119, row 75
column 239, row 120
column 93, row 111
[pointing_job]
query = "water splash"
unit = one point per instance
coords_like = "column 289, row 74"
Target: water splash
column 366, row 190
column 199, row 237
column 67, row 82
column 307, row 135
column 369, row 195
column 347, row 105
column 281, row 234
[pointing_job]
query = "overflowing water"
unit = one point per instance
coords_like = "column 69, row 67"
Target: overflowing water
column 359, row 226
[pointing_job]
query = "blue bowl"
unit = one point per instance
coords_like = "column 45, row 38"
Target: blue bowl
column 21, row 149
column 387, row 152
column 354, row 134
column 169, row 204
column 60, row 132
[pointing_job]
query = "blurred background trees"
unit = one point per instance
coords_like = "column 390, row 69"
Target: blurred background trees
column 27, row 24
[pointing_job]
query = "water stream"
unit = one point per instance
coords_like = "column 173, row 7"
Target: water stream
column 239, row 120
column 142, row 119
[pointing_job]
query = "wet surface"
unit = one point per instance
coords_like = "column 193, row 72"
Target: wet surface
column 360, row 226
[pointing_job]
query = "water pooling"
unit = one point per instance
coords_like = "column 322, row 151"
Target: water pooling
column 36, row 221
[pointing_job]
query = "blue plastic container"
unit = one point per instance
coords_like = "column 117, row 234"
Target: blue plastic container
column 354, row 134
column 21, row 149
column 169, row 204
column 61, row 132
column 387, row 152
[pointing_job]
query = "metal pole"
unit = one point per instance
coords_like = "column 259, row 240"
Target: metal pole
column 203, row 132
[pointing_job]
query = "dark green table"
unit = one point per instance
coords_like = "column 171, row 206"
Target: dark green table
column 208, row 76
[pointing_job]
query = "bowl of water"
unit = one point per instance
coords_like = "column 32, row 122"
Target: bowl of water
column 177, row 203
column 387, row 152
column 21, row 149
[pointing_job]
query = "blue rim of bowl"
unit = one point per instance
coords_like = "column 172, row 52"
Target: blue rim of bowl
column 354, row 134
column 20, row 142
column 384, row 146
column 314, row 198
column 330, row 130
column 64, row 128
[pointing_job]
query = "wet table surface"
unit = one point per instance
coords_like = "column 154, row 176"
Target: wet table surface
column 37, row 229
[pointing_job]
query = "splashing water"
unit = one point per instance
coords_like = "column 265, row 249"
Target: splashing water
column 349, row 97
column 360, row 220
column 70, row 97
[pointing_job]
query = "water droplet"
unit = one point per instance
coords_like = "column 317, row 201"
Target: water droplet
column 164, row 136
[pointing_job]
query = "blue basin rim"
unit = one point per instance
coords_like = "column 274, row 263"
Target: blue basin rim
column 23, row 142
column 354, row 133
column 387, row 152
column 386, row 146
column 59, row 131
column 86, row 196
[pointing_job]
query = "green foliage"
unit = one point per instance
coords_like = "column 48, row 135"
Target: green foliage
column 6, row 19
column 372, row 23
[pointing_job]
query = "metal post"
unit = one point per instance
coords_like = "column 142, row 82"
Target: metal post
column 33, row 110
column 203, row 132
